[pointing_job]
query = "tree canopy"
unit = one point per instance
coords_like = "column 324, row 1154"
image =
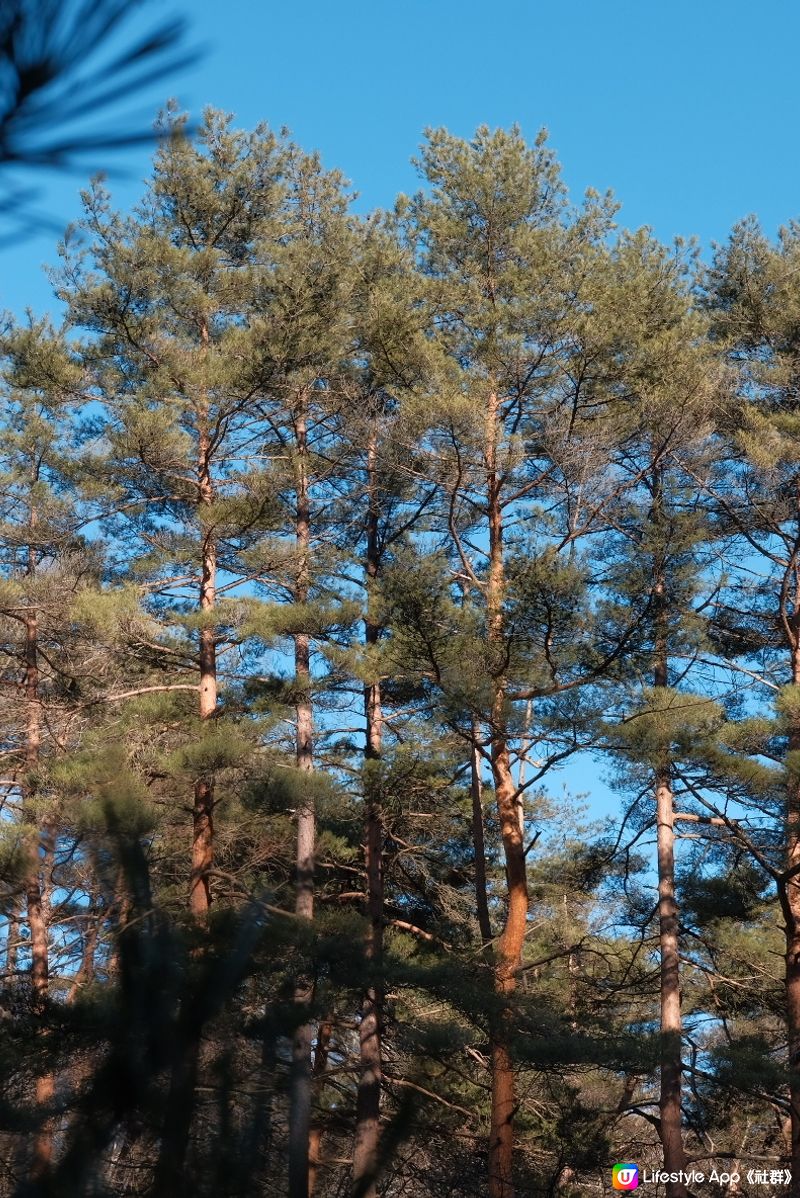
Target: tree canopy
column 326, row 541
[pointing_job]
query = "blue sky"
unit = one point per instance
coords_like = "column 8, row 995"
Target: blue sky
column 688, row 111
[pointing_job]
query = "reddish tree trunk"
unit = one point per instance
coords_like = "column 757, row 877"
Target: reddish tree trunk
column 85, row 974
column 512, row 938
column 790, row 901
column 170, row 1170
column 203, row 808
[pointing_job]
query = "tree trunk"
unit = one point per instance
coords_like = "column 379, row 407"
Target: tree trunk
column 791, row 910
column 170, row 1171
column 203, row 809
column 512, row 938
column 120, row 918
column 12, row 944
column 315, row 1135
column 172, row 1176
column 85, row 974
column 671, row 1029
column 478, row 839
column 35, row 901
column 300, row 1072
column 259, row 1140
column 37, row 921
column 368, row 1099
column 671, row 1025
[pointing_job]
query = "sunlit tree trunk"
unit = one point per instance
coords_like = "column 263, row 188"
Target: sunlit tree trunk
column 512, row 937
column 670, row 993
column 203, row 810
column 170, row 1174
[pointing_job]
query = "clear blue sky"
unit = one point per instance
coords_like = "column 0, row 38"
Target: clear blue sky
column 687, row 110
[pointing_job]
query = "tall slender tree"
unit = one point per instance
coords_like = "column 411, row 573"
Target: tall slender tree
column 754, row 300
column 505, row 259
column 663, row 385
column 304, row 331
column 166, row 293
column 389, row 362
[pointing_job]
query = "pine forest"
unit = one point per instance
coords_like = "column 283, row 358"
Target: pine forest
column 342, row 557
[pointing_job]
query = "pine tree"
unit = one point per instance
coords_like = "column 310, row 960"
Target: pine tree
column 303, row 329
column 390, row 361
column 506, row 262
column 166, row 293
column 43, row 560
column 662, row 384
column 753, row 298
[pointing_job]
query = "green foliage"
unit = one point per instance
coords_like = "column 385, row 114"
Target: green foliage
column 319, row 535
column 748, row 1063
column 737, row 894
column 107, row 796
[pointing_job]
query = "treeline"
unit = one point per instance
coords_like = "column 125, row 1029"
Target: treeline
column 326, row 541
